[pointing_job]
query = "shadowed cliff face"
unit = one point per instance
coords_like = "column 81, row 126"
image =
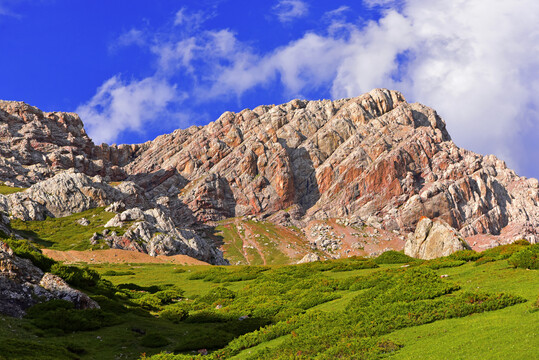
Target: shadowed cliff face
column 374, row 157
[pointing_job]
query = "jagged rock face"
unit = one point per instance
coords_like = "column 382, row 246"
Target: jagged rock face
column 23, row 285
column 35, row 145
column 374, row 157
column 433, row 239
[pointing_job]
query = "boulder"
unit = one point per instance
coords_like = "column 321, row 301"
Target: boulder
column 433, row 239
column 309, row 258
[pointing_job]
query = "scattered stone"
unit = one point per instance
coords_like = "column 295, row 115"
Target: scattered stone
column 83, row 221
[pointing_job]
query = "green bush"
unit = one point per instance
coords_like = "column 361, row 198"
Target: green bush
column 444, row 262
column 24, row 249
column 157, row 300
column 118, row 273
column 465, row 255
column 174, row 314
column 81, row 278
column 219, row 295
column 84, row 279
column 526, row 259
column 484, row 259
column 505, row 251
column 29, row 350
column 221, row 274
column 393, row 257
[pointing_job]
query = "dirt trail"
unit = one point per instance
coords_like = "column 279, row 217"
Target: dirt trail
column 118, row 256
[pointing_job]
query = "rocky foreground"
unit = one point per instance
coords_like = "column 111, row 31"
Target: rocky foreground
column 374, row 163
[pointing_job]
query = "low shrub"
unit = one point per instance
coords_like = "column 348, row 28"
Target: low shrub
column 526, row 259
column 503, row 252
column 29, row 350
column 84, row 279
column 157, row 300
column 444, row 262
column 484, row 259
column 219, row 295
column 118, row 273
column 465, row 255
column 174, row 314
column 81, row 278
column 221, row 274
column 24, row 249
column 393, row 257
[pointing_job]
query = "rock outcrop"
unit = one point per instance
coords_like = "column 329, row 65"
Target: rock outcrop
column 67, row 193
column 23, row 285
column 433, row 239
column 309, row 258
column 375, row 156
column 36, row 145
column 155, row 233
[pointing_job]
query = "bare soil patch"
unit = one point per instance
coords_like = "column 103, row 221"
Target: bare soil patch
column 118, row 256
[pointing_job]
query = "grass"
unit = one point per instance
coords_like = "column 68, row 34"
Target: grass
column 6, row 190
column 317, row 310
column 259, row 242
column 510, row 333
column 65, row 233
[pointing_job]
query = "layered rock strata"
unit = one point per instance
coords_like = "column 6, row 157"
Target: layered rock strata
column 375, row 157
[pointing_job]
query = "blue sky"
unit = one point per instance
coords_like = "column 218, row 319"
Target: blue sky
column 134, row 71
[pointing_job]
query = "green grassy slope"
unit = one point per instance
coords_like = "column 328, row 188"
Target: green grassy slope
column 6, row 190
column 510, row 333
column 350, row 308
column 65, row 233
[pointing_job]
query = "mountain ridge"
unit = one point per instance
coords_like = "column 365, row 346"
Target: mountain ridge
column 374, row 159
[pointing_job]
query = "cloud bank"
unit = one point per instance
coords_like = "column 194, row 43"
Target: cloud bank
column 476, row 62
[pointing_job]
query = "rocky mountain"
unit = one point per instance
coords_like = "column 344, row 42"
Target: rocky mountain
column 374, row 162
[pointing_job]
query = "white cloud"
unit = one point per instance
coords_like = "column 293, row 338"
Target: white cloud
column 288, row 10
column 118, row 106
column 188, row 19
column 131, row 37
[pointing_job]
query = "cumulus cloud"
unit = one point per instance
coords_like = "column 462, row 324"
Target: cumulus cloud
column 288, row 10
column 118, row 106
